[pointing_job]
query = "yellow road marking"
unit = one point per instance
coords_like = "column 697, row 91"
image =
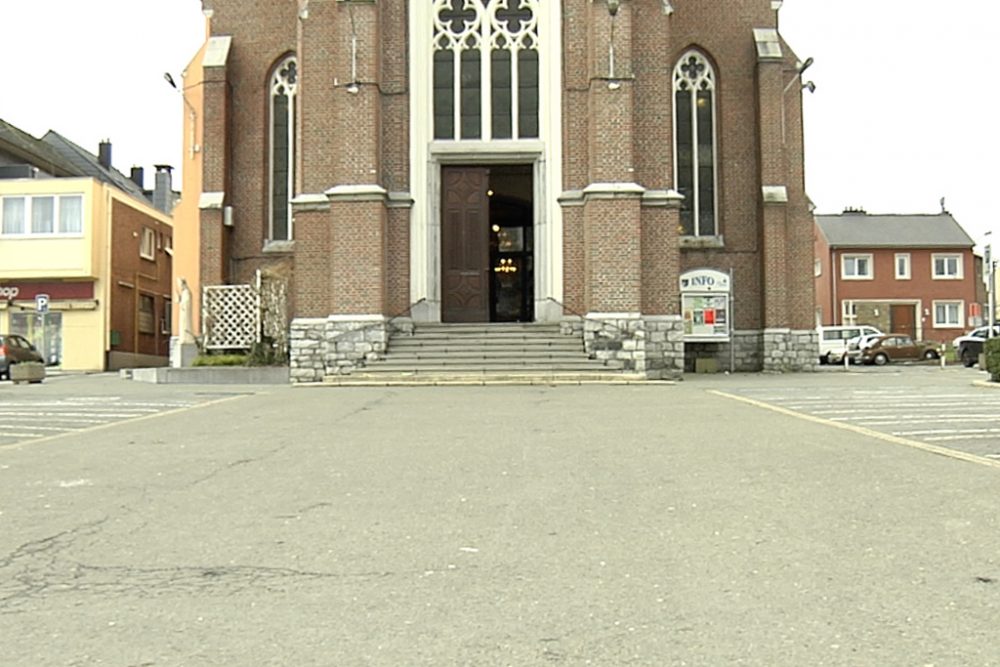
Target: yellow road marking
column 861, row 430
column 101, row 427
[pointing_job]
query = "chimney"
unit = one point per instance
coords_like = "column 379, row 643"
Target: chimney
column 163, row 190
column 104, row 153
column 138, row 176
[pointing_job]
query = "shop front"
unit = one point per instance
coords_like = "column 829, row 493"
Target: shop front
column 62, row 319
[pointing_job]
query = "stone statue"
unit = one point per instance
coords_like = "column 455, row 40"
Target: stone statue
column 185, row 324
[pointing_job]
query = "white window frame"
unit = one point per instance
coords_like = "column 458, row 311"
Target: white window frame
column 959, row 268
column 848, row 312
column 948, row 324
column 486, row 33
column 708, row 79
column 147, row 244
column 905, row 274
column 868, row 257
column 428, row 154
column 281, row 85
column 57, row 226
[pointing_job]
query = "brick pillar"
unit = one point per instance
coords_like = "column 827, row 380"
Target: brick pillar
column 341, row 145
column 358, row 247
column 660, row 247
column 774, row 195
column 611, row 209
column 215, row 176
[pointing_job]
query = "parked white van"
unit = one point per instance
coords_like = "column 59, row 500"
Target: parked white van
column 833, row 340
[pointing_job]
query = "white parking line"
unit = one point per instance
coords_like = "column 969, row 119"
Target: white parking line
column 91, row 424
column 861, row 430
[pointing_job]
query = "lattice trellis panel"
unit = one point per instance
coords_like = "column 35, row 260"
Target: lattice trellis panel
column 230, row 316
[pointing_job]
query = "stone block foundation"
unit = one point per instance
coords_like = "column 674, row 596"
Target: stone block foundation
column 335, row 345
column 652, row 346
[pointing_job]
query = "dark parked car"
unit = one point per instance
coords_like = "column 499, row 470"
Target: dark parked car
column 970, row 346
column 898, row 347
column 15, row 350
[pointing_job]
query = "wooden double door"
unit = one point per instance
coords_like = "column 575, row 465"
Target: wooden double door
column 486, row 265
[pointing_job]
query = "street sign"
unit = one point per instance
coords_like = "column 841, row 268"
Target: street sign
column 42, row 303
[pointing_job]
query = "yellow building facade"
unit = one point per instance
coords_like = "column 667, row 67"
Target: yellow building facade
column 59, row 251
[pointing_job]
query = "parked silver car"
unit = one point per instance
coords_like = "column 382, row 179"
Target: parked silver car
column 15, row 349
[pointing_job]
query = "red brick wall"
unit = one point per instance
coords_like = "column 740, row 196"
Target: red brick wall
column 622, row 135
column 132, row 275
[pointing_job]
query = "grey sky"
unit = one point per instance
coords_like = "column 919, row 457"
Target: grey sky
column 902, row 113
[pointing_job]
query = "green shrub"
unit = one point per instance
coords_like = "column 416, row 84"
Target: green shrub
column 220, row 360
column 265, row 354
column 992, row 350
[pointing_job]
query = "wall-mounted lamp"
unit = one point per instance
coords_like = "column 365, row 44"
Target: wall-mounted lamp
column 800, row 67
column 613, row 6
column 194, row 115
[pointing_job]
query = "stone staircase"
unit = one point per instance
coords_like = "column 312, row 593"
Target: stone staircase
column 507, row 353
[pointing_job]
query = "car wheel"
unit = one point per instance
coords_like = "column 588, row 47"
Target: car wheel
column 967, row 359
column 880, row 359
column 930, row 354
column 824, row 359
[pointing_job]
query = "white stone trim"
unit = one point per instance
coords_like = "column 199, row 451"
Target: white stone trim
column 217, row 51
column 310, row 202
column 427, row 156
column 613, row 316
column 774, row 194
column 278, row 246
column 501, row 150
column 211, row 200
column 612, row 190
column 399, row 200
column 354, row 318
column 768, row 44
column 364, row 192
column 670, row 198
column 308, row 321
column 571, row 198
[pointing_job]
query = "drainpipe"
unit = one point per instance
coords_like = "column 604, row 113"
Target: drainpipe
column 835, row 306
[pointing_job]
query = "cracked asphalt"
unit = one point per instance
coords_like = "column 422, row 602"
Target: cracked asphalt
column 579, row 525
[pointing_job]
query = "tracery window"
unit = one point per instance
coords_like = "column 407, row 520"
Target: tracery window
column 694, row 143
column 284, row 85
column 485, row 69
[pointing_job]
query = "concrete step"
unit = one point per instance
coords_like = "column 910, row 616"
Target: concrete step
column 483, row 366
column 395, row 354
column 484, row 327
column 491, row 347
column 502, row 336
column 497, row 378
column 435, row 353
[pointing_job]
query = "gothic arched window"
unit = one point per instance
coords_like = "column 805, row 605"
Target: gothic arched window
column 284, row 83
column 694, row 144
column 485, row 69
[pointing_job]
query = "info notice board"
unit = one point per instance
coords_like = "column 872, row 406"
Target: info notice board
column 706, row 304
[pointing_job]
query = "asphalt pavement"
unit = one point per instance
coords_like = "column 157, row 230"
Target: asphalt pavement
column 725, row 520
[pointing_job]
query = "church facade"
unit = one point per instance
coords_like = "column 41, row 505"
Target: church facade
column 631, row 170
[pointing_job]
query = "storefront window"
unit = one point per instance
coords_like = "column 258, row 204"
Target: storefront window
column 43, row 330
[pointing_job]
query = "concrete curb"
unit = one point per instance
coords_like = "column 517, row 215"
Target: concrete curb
column 209, row 375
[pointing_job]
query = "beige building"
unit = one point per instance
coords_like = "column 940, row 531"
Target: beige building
column 85, row 265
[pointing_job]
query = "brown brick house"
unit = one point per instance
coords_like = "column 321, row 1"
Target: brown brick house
column 484, row 161
column 913, row 274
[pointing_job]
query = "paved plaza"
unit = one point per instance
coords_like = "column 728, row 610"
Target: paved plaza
column 832, row 518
